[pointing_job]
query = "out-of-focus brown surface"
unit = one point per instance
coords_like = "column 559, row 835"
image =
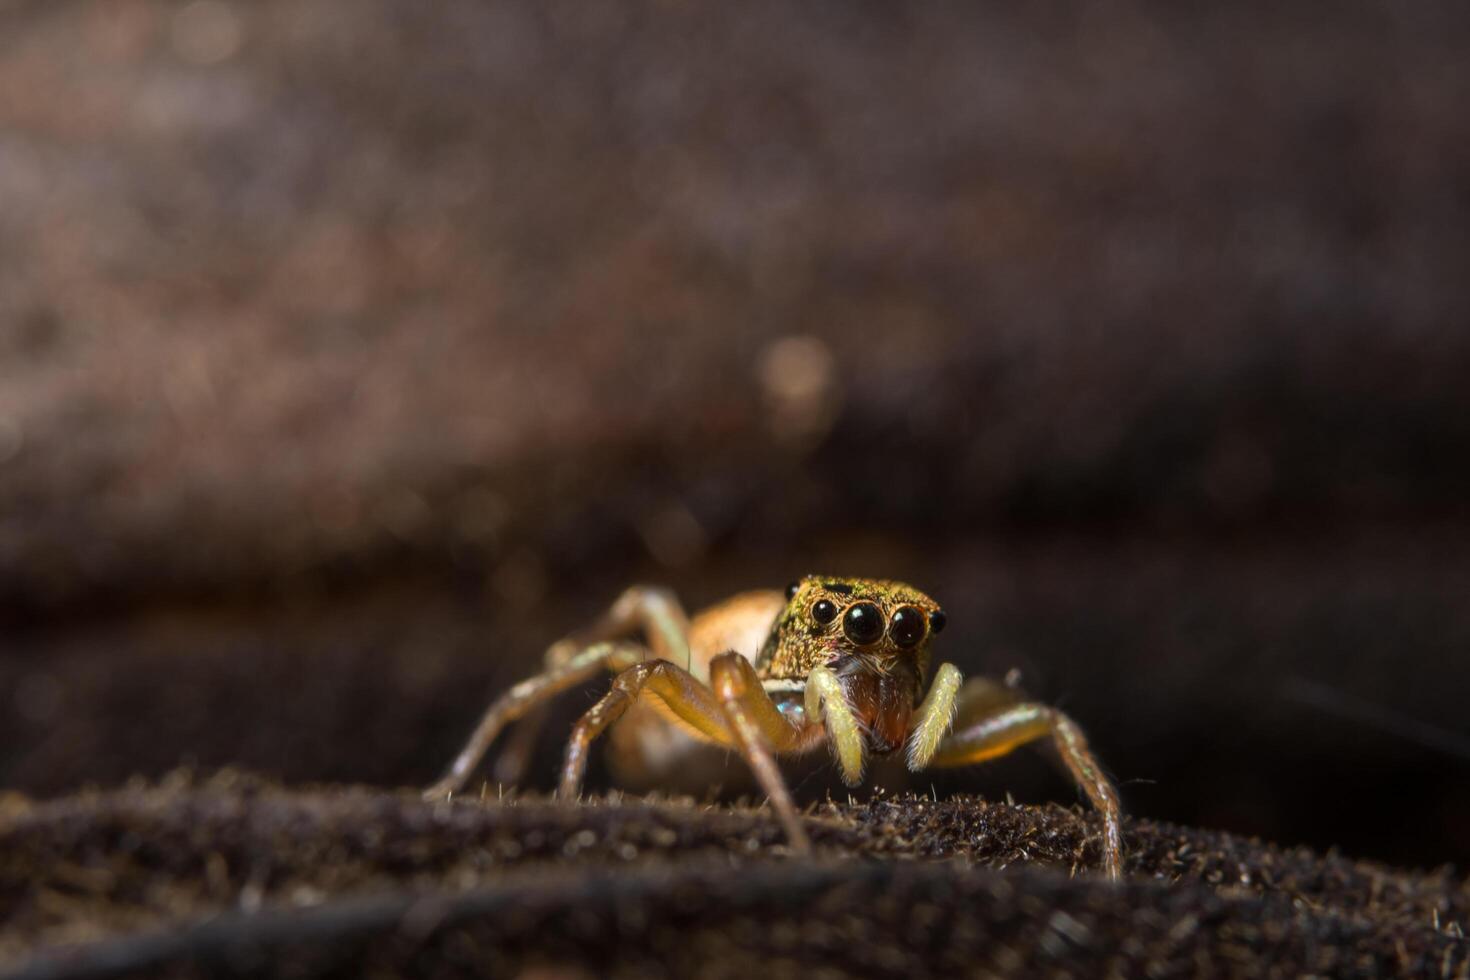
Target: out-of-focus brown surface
column 351, row 352
column 230, row 876
column 294, row 284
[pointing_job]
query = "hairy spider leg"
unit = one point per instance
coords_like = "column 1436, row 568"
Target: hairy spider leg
column 526, row 695
column 986, row 730
column 690, row 700
column 763, row 732
column 648, row 610
column 733, row 711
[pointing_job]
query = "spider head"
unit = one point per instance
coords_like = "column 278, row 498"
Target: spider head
column 874, row 633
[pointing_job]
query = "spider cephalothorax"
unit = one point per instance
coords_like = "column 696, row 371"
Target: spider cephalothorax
column 874, row 634
column 875, row 622
column 834, row 661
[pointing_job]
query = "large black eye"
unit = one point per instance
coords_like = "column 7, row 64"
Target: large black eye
column 907, row 626
column 937, row 619
column 791, row 590
column 823, row 611
column 863, row 623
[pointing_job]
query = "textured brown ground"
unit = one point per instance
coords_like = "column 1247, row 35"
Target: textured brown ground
column 236, row 876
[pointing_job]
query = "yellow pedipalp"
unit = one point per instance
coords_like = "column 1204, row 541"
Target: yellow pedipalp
column 936, row 715
column 825, row 699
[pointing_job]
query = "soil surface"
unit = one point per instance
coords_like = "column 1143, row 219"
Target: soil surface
column 232, row 875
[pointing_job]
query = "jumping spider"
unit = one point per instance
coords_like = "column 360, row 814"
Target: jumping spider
column 840, row 661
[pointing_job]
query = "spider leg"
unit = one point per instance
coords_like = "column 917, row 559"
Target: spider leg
column 525, row 696
column 992, row 730
column 651, row 611
column 935, row 718
column 760, row 732
column 676, row 687
column 736, row 713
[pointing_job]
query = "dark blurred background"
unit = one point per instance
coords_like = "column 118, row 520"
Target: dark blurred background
column 352, row 351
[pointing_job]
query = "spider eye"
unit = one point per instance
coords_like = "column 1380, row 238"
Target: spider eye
column 863, row 623
column 791, row 590
column 907, row 626
column 937, row 619
column 823, row 611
